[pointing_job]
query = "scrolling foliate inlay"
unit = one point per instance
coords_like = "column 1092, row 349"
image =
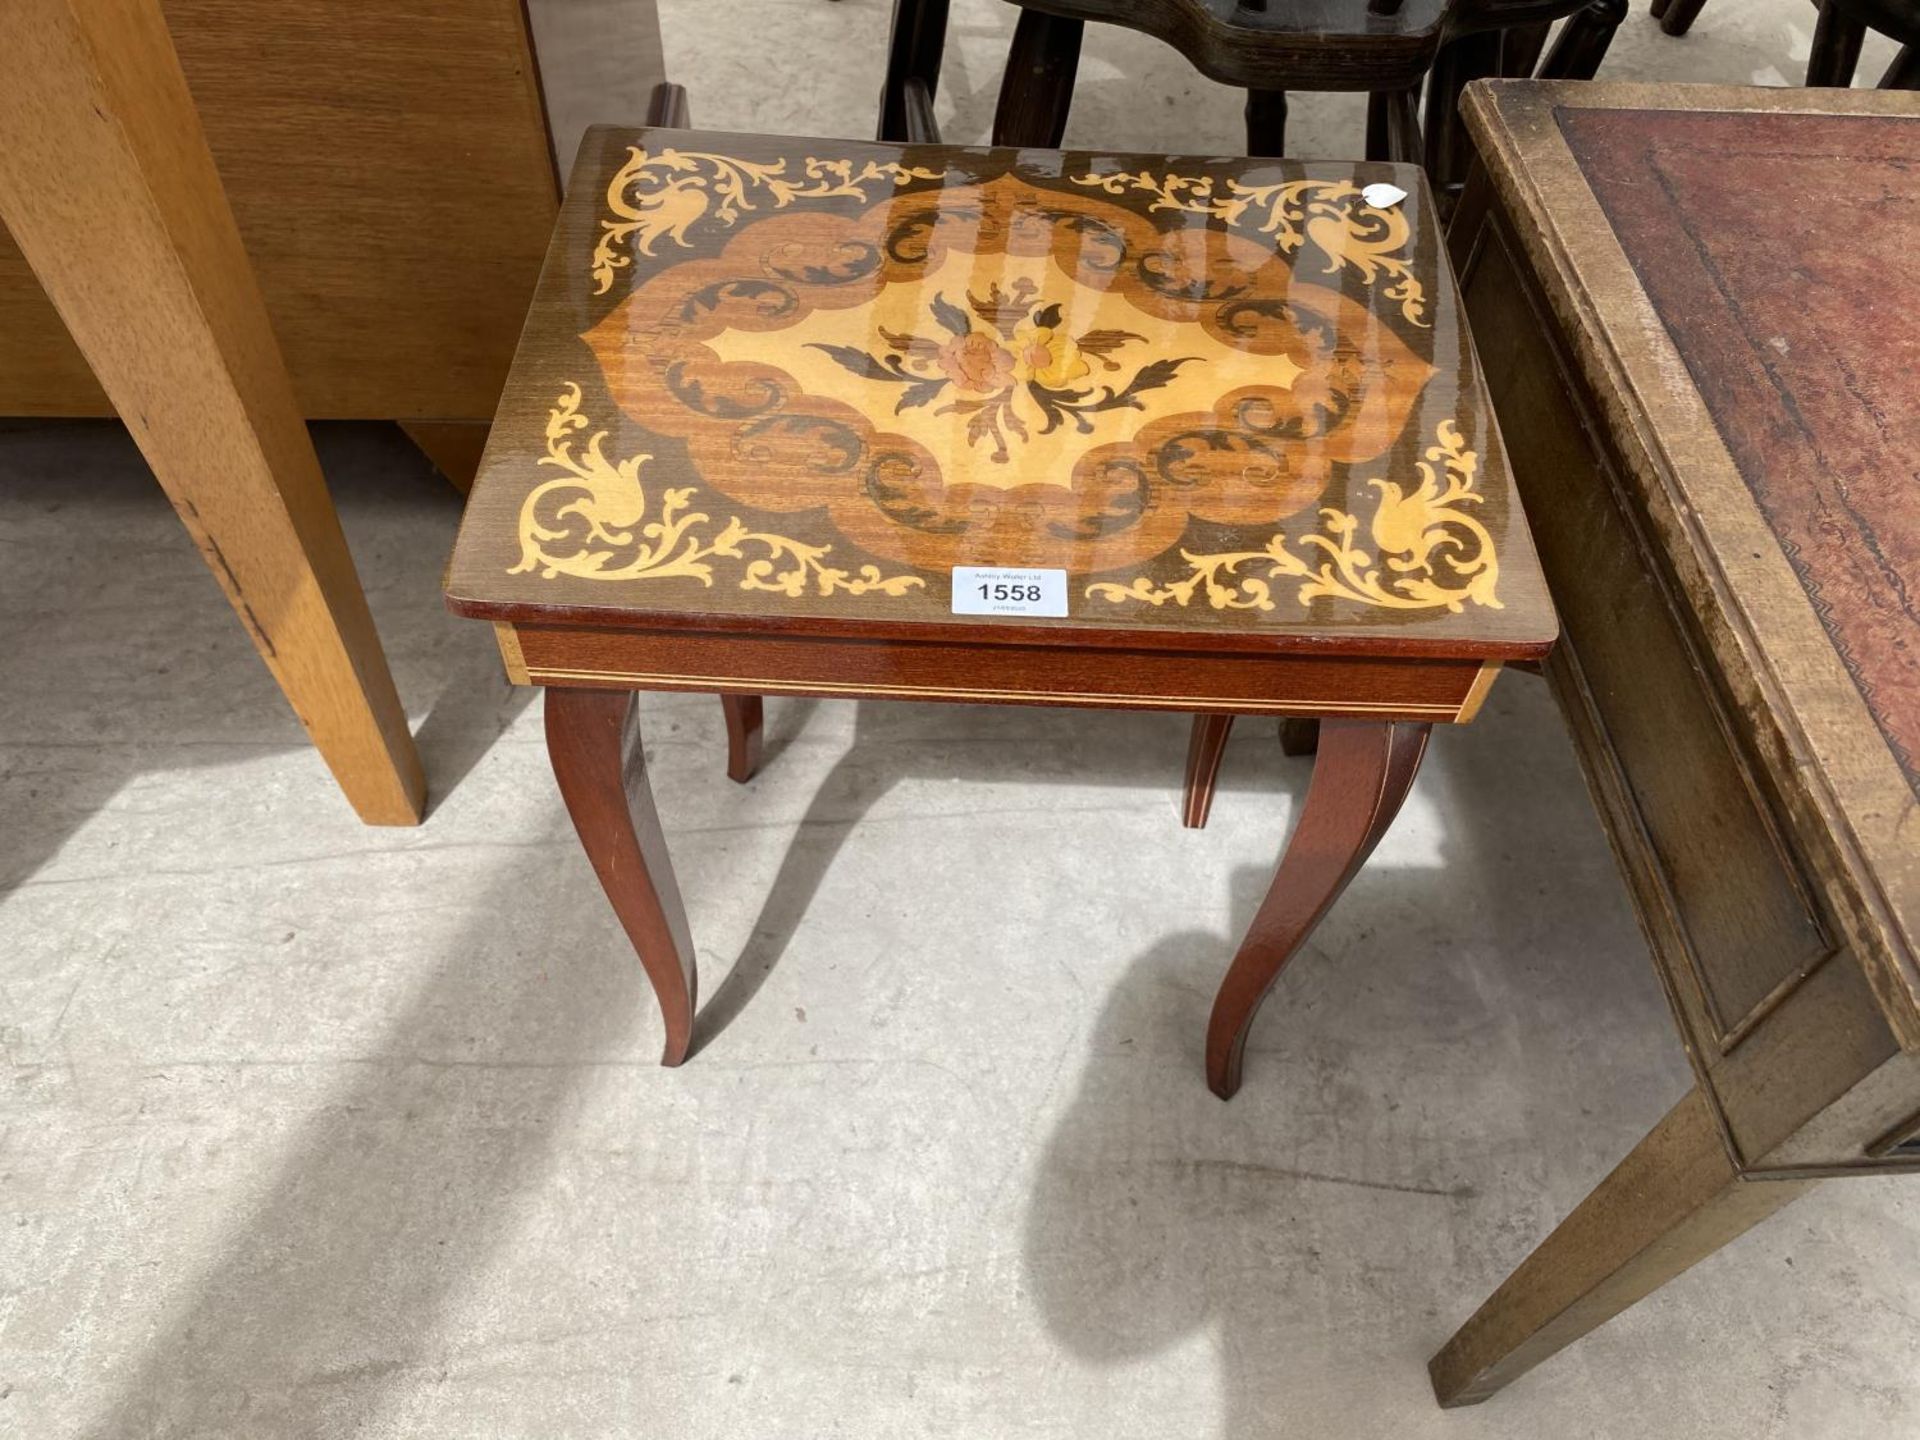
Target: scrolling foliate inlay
column 1433, row 553
column 1333, row 214
column 592, row 522
column 665, row 193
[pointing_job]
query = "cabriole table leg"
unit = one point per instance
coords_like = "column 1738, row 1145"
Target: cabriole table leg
column 1362, row 773
column 593, row 740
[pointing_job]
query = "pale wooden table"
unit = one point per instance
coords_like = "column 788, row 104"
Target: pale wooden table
column 249, row 219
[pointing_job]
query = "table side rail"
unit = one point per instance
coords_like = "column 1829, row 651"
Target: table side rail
column 1431, row 691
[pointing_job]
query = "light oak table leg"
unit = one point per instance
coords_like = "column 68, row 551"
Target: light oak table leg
column 1361, row 775
column 1675, row 1199
column 593, row 740
column 108, row 188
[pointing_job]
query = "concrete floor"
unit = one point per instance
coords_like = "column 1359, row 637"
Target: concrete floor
column 313, row 1130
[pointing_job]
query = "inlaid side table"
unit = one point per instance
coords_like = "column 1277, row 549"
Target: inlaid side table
column 1016, row 426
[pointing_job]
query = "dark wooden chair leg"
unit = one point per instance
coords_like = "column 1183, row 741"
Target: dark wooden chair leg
column 1448, row 149
column 1037, row 90
column 1377, row 126
column 1904, row 72
column 1204, row 749
column 593, row 740
column 1402, row 122
column 1520, row 49
column 1363, row 772
column 1676, row 17
column 1299, row 735
column 914, row 49
column 744, row 714
column 1837, row 37
column 667, row 105
column 1582, row 43
column 1266, row 122
column 922, row 127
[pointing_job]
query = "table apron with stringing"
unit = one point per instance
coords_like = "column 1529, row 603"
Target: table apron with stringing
column 1434, row 691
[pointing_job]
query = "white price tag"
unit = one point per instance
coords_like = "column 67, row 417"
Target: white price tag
column 980, row 590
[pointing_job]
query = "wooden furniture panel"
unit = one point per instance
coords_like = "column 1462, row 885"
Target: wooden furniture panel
column 873, row 364
column 1715, row 858
column 107, row 181
column 1684, row 296
column 387, row 163
column 924, row 669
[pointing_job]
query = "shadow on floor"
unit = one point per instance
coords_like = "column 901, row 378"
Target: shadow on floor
column 1419, row 998
column 894, row 743
column 397, row 1191
column 133, row 661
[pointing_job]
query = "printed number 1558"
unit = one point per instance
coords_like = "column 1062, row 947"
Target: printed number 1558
column 1028, row 593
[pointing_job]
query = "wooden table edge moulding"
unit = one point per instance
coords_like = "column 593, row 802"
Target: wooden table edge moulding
column 872, row 363
column 1692, row 302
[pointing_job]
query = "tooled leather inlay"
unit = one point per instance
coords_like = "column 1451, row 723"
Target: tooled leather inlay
column 1795, row 319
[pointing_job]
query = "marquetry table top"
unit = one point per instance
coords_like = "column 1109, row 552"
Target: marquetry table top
column 781, row 382
column 1744, row 269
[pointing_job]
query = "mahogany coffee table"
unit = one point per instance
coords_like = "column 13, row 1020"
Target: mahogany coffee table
column 1018, row 426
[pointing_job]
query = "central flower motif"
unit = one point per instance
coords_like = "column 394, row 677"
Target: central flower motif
column 1009, row 376
column 974, row 362
column 1047, row 358
column 1011, row 363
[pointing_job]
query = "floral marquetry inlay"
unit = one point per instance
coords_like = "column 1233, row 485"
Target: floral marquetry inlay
column 810, row 380
column 1428, row 551
column 1009, row 364
column 662, row 194
column 593, row 521
column 1333, row 214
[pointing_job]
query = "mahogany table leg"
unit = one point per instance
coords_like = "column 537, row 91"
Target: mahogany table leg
column 1674, row 1200
column 1299, row 735
column 1037, row 90
column 743, row 735
column 593, row 740
column 1206, row 744
column 1362, row 773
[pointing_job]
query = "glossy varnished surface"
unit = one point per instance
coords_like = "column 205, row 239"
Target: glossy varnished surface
column 770, row 383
